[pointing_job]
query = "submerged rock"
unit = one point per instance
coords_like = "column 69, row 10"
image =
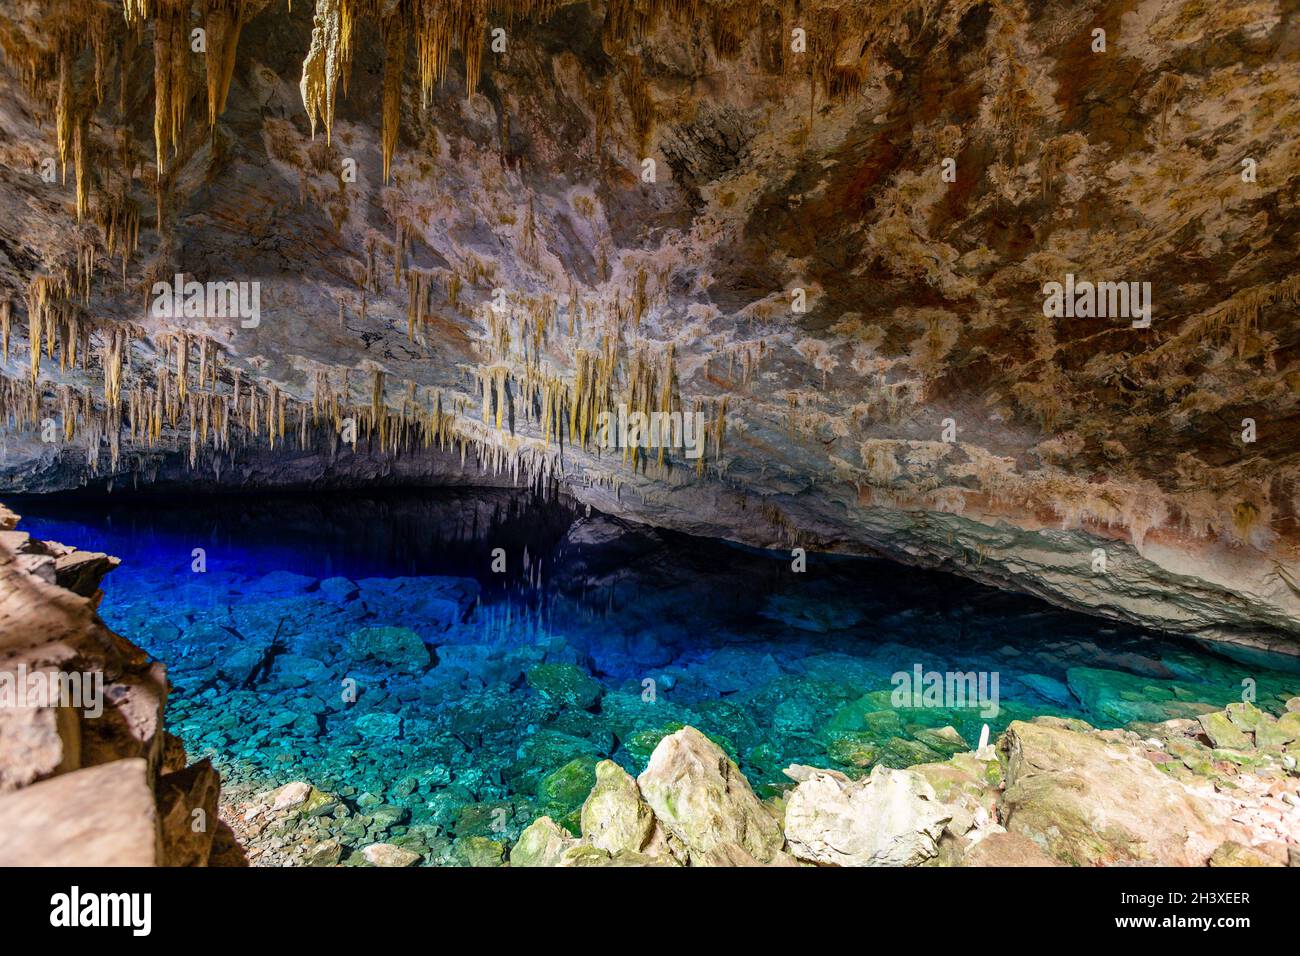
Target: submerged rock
column 397, row 647
column 565, row 684
column 478, row 851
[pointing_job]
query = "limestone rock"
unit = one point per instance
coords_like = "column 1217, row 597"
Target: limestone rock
column 1224, row 732
column 702, row 798
column 387, row 855
column 289, row 796
column 1087, row 802
column 479, row 851
column 565, row 684
column 1231, row 853
column 1006, row 849
column 97, row 816
column 326, row 853
column 890, row 819
column 614, row 817
column 37, row 742
column 542, row 843
column 733, row 854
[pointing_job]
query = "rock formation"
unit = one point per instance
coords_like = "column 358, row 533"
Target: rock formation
column 89, row 775
column 1054, row 792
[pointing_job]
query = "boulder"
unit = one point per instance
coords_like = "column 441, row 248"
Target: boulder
column 379, row 724
column 1088, row 802
column 891, row 818
column 542, row 843
column 37, row 742
column 98, row 816
column 82, row 571
column 289, row 796
column 1224, row 732
column 339, row 590
column 1231, row 853
column 733, row 854
column 565, row 788
column 703, row 800
column 565, row 685
column 326, row 853
column 614, row 817
column 397, row 648
column 479, row 851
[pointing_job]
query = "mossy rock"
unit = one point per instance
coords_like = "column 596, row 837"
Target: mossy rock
column 568, row 786
column 541, row 844
column 854, row 749
column 565, row 685
column 942, row 740
column 478, row 851
column 1224, row 733
column 900, row 753
column 543, row 752
column 492, row 819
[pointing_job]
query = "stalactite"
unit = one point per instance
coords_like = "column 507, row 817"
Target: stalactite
column 135, row 11
column 6, row 321
column 330, row 46
column 63, row 112
column 641, row 105
column 224, row 21
column 171, row 76
column 394, row 63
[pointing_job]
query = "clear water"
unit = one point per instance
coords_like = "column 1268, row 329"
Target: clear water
column 599, row 638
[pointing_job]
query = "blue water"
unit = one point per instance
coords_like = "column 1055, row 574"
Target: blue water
column 494, row 702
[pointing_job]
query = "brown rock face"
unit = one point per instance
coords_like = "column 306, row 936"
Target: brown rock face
column 83, row 752
column 99, row 816
column 849, row 249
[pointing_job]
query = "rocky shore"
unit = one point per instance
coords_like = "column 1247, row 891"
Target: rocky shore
column 1220, row 790
column 94, row 780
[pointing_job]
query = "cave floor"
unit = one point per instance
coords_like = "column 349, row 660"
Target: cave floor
column 373, row 647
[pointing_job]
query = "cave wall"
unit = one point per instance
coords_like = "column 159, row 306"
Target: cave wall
column 839, row 263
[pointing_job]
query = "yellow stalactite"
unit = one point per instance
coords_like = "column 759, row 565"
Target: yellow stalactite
column 394, row 63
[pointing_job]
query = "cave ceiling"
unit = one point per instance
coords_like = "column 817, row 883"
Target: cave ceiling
column 827, row 227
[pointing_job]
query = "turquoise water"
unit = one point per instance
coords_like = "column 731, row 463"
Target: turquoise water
column 367, row 645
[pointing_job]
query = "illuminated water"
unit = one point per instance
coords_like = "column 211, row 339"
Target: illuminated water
column 599, row 638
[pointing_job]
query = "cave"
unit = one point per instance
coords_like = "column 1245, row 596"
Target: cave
column 652, row 433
